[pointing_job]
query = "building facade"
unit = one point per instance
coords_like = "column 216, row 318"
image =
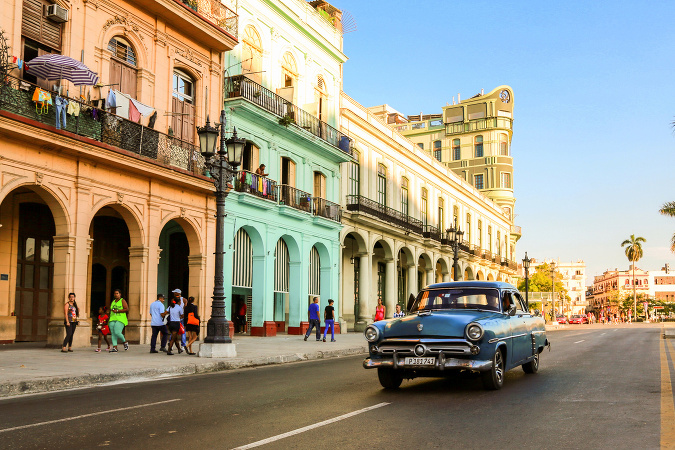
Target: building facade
column 111, row 196
column 662, row 284
column 613, row 284
column 573, row 278
column 473, row 139
column 398, row 202
column 283, row 225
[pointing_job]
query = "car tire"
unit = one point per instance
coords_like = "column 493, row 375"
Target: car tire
column 494, row 378
column 389, row 378
column 532, row 366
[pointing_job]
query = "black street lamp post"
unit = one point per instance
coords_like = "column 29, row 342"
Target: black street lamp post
column 554, row 319
column 526, row 266
column 454, row 237
column 222, row 169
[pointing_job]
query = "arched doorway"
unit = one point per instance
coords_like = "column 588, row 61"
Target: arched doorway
column 242, row 277
column 35, row 269
column 173, row 271
column 424, row 268
column 282, row 270
column 109, row 257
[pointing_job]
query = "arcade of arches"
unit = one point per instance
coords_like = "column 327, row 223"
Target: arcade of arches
column 58, row 237
column 376, row 267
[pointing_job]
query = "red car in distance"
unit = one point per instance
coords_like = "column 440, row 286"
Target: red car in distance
column 562, row 320
column 578, row 318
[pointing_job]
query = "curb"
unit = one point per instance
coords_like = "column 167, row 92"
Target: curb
column 86, row 380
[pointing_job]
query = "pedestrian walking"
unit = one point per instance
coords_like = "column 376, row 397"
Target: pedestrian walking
column 175, row 311
column 102, row 328
column 398, row 312
column 191, row 318
column 71, row 312
column 118, row 320
column 182, row 301
column 157, row 313
column 241, row 317
column 329, row 321
column 314, row 321
column 379, row 310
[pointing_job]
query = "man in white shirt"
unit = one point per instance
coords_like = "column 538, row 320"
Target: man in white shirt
column 398, row 312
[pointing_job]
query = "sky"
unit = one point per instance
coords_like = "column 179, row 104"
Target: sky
column 593, row 90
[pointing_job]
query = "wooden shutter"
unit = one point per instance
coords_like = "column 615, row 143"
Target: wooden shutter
column 128, row 80
column 255, row 158
column 291, row 173
column 188, row 122
column 176, row 117
column 115, row 74
column 35, row 26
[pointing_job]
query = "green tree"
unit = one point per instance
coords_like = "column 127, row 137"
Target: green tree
column 540, row 281
column 668, row 209
column 634, row 253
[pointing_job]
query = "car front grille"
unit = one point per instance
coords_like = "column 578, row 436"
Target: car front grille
column 406, row 347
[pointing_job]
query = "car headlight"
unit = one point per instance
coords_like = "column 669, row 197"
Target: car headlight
column 372, row 333
column 474, row 331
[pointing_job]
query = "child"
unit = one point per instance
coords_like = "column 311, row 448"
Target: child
column 102, row 327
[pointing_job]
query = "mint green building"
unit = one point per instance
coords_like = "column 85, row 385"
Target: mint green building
column 284, row 220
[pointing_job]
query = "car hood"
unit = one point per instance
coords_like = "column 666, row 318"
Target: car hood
column 436, row 324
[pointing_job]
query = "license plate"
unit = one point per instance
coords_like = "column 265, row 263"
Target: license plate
column 420, row 361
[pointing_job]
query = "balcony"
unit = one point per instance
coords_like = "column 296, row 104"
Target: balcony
column 359, row 203
column 303, row 201
column 106, row 128
column 241, row 87
column 257, row 185
column 431, row 232
column 516, row 230
column 478, row 125
column 206, row 21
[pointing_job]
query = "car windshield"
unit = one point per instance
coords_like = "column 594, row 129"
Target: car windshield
column 449, row 298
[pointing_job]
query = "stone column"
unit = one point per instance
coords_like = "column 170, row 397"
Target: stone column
column 412, row 282
column 391, row 287
column 431, row 276
column 138, row 291
column 366, row 309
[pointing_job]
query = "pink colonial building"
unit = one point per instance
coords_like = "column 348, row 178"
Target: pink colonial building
column 620, row 282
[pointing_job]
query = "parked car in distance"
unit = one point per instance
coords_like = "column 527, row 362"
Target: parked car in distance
column 478, row 326
column 578, row 318
column 562, row 320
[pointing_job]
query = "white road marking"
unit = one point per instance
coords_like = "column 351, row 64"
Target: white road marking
column 579, row 342
column 310, row 427
column 4, row 430
column 602, row 334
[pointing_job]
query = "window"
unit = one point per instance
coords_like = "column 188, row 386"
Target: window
column 287, row 172
column 478, row 146
column 456, row 153
column 503, row 145
column 382, row 184
column 123, row 71
column 319, row 185
column 437, row 150
column 250, row 158
column 499, row 243
column 480, row 234
column 478, row 181
column 424, row 213
column 289, row 70
column 420, row 145
column 355, row 175
column 489, row 247
column 506, row 180
column 441, row 215
column 35, row 27
column 404, row 196
column 507, row 211
column 455, row 216
column 467, row 231
column 183, row 116
column 322, row 99
column 252, row 52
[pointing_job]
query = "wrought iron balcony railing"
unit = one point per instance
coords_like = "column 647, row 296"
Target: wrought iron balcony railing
column 390, row 215
column 329, row 210
column 241, row 86
column 432, row 232
column 476, row 250
column 478, row 124
column 215, row 12
column 295, row 198
column 464, row 245
column 255, row 184
column 102, row 126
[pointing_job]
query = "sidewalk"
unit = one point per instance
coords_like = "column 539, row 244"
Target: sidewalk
column 32, row 368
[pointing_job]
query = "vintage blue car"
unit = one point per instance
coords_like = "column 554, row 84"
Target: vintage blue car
column 480, row 326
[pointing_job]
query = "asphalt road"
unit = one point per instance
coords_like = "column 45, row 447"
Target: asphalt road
column 598, row 387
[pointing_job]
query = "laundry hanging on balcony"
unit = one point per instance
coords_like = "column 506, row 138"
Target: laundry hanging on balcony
column 60, row 67
column 130, row 108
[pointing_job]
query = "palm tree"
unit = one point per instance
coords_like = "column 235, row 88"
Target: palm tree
column 668, row 209
column 634, row 253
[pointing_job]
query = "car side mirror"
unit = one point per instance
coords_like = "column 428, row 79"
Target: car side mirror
column 512, row 310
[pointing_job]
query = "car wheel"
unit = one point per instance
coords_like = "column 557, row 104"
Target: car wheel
column 532, row 366
column 389, row 378
column 494, row 378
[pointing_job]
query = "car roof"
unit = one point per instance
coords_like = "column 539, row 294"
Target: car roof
column 473, row 284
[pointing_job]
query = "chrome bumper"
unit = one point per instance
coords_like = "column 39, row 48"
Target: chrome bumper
column 448, row 363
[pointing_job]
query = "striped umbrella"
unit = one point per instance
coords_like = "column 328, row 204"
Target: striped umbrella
column 59, row 67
